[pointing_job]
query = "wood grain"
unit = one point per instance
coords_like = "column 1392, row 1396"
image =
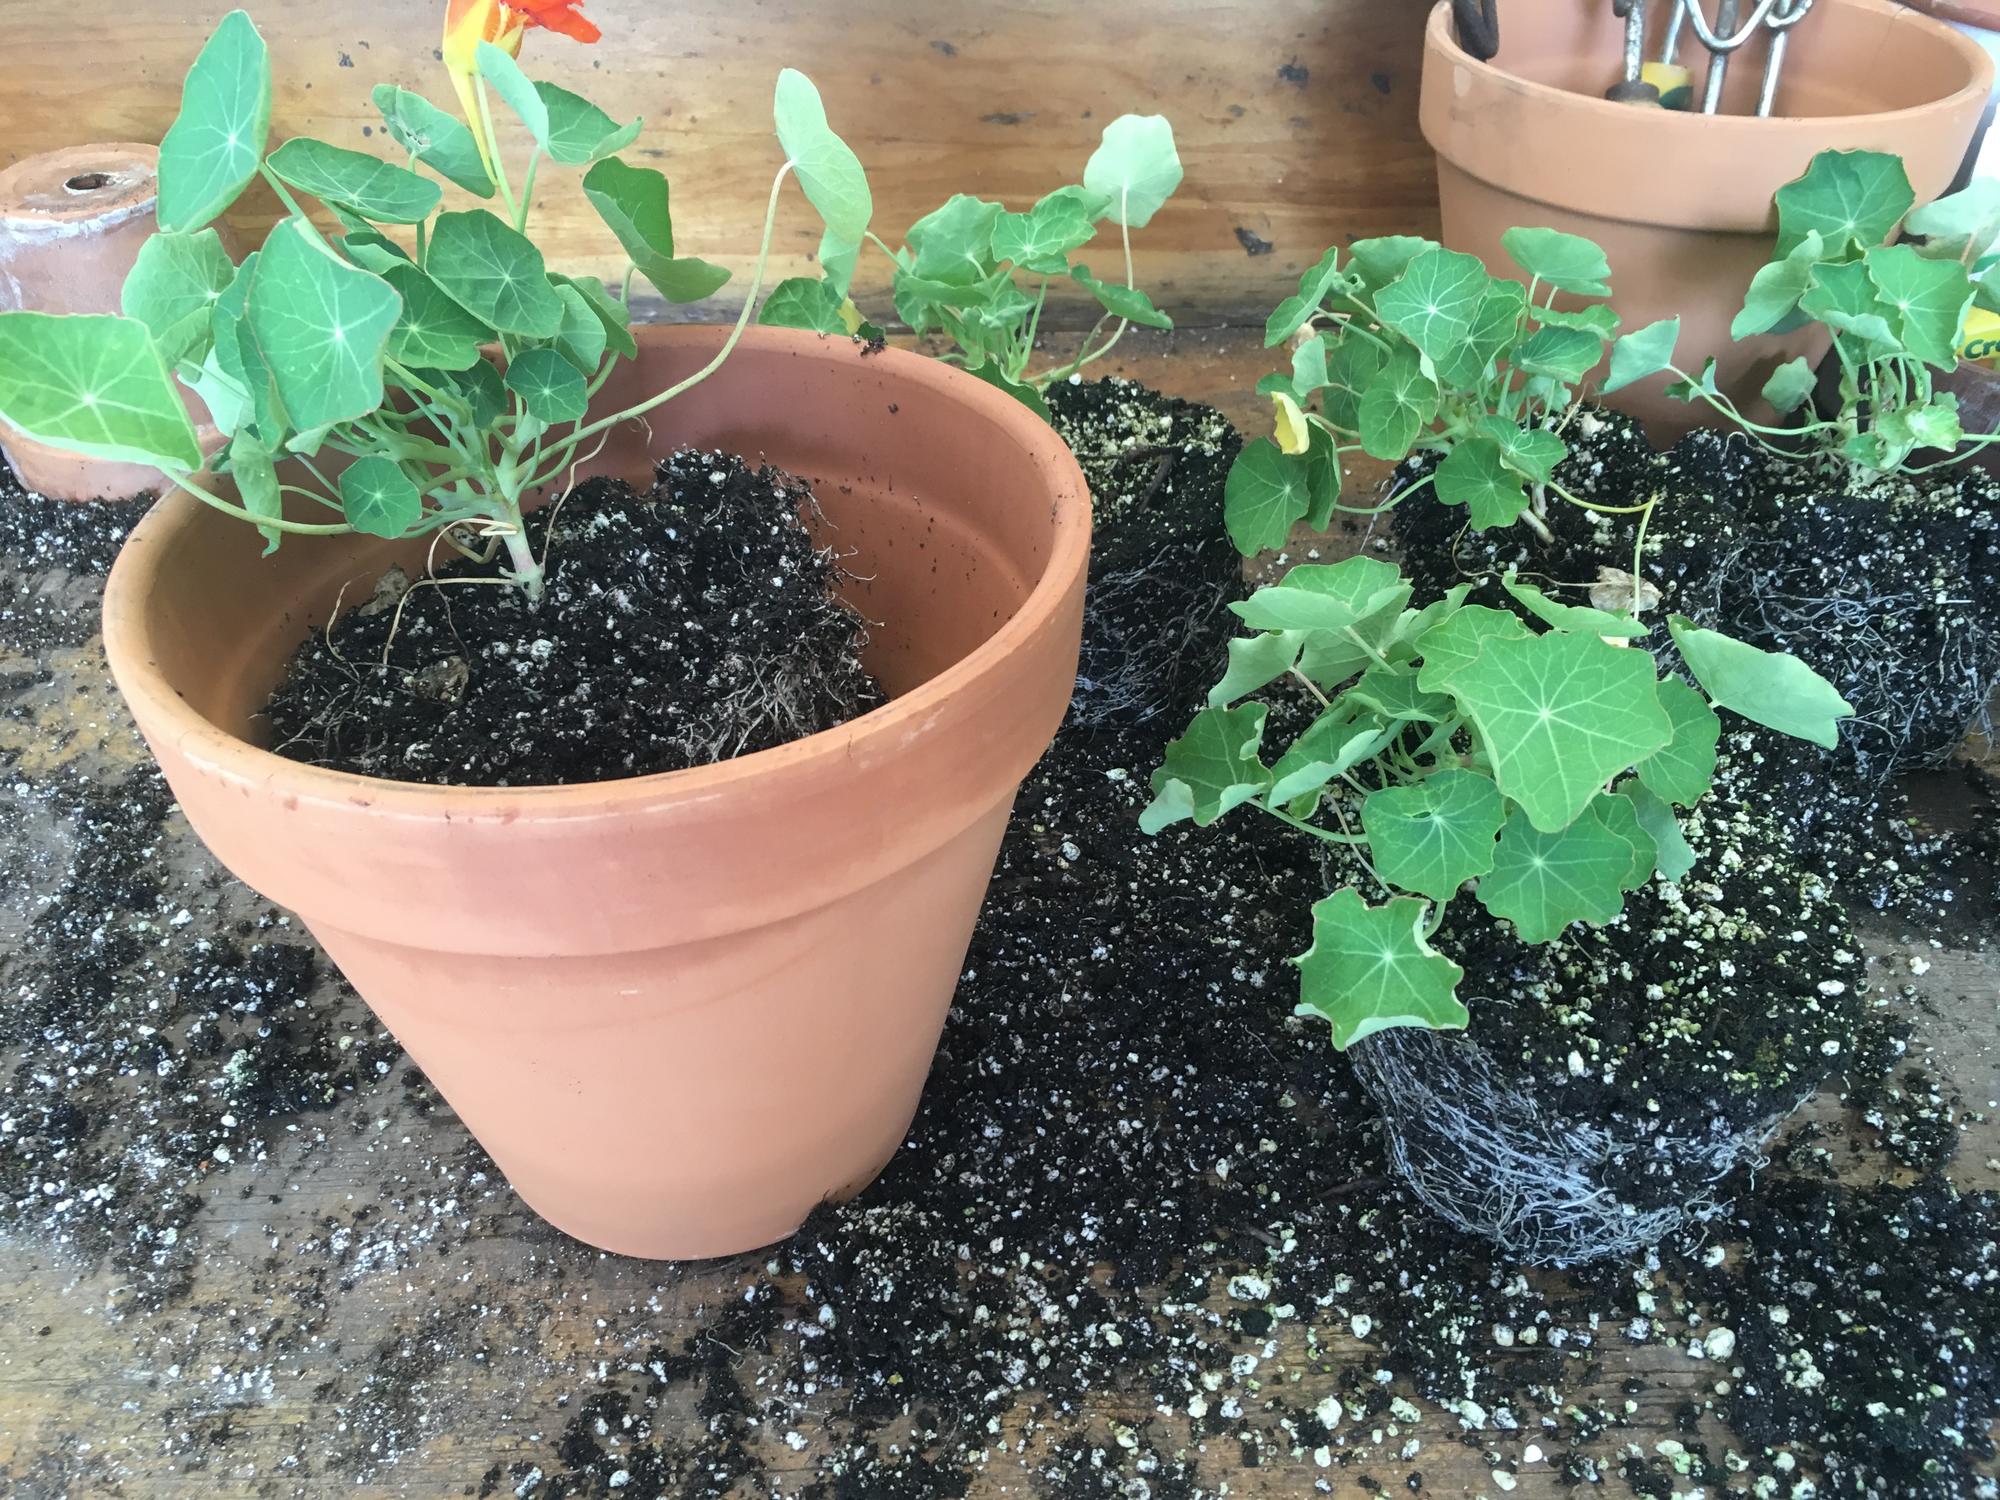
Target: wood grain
column 1296, row 119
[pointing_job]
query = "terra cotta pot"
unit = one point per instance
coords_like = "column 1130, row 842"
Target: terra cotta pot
column 679, row 1010
column 1681, row 202
column 71, row 224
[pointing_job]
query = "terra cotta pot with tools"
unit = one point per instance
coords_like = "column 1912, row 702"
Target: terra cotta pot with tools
column 71, row 224
column 679, row 1010
column 1681, row 201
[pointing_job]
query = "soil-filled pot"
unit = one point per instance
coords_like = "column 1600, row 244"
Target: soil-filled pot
column 71, row 225
column 1681, row 201
column 679, row 1010
column 1611, row 1080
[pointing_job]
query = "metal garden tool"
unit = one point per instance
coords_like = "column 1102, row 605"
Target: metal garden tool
column 1725, row 38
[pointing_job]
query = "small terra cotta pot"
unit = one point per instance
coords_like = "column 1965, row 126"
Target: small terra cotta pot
column 679, row 1010
column 1681, row 202
column 71, row 225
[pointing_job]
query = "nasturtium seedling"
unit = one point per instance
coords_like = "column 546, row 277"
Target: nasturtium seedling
column 1896, row 314
column 1400, row 347
column 1528, row 758
column 432, row 352
column 980, row 275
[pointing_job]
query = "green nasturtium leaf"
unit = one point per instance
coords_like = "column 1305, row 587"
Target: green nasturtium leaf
column 610, row 312
column 1256, row 661
column 1960, row 226
column 827, row 169
column 1454, row 643
column 1621, row 816
column 434, row 332
column 238, row 359
column 954, row 242
column 1543, row 880
column 214, row 146
column 1926, row 301
column 1568, row 262
column 1336, row 742
column 1266, row 494
column 1848, row 198
column 256, row 479
column 1352, row 366
column 1495, row 327
column 1400, row 401
column 1380, row 259
column 1475, row 474
column 1129, row 303
column 1134, row 169
column 364, row 185
column 1531, row 452
column 582, row 339
column 494, row 272
column 373, row 251
column 322, row 327
column 1392, row 690
column 1595, row 318
column 93, row 384
column 1433, row 836
column 1790, row 384
column 1559, row 716
column 548, row 385
column 1370, row 969
column 499, row 69
column 580, row 133
column 1640, row 353
column 1573, row 617
column 1325, row 596
column 1432, row 304
column 439, row 140
column 1564, row 354
column 635, row 205
column 377, row 497
column 1290, row 315
column 1210, row 769
column 1681, row 770
column 1673, row 856
column 1776, row 289
column 1845, row 298
column 1041, row 239
column 1934, row 424
column 803, row 302
column 173, row 287
column 1766, row 687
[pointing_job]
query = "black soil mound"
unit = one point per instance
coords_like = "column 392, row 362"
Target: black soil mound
column 64, row 533
column 678, row 628
column 1162, row 571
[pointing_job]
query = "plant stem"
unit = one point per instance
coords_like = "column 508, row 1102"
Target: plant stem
column 267, row 523
column 603, row 424
column 493, row 150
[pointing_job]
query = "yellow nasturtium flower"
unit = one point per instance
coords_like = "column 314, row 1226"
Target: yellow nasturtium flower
column 1289, row 424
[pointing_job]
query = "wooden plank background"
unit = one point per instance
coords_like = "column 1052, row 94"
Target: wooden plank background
column 1296, row 119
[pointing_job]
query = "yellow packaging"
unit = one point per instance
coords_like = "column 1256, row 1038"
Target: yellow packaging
column 1981, row 341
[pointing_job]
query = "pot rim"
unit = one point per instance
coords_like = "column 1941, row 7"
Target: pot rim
column 156, row 703
column 1438, row 39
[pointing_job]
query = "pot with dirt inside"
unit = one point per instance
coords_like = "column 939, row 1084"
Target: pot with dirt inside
column 680, row 1007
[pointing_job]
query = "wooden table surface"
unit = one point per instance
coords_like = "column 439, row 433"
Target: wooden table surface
column 369, row 1315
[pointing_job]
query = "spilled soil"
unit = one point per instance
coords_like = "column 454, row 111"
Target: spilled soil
column 1145, row 1239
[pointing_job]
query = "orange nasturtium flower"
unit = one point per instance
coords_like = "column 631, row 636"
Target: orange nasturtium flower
column 467, row 23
